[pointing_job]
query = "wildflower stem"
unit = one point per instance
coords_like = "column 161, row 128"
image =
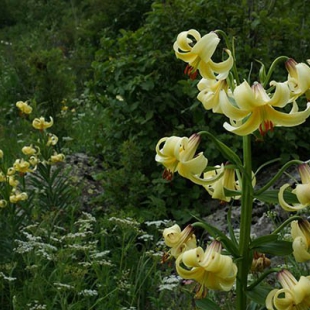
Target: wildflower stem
column 277, row 176
column 245, row 225
column 284, row 224
column 262, row 277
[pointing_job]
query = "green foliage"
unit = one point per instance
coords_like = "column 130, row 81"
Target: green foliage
column 93, row 263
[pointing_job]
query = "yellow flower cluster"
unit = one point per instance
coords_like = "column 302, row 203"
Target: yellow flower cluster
column 249, row 108
column 293, row 294
column 178, row 154
column 209, row 268
column 33, row 157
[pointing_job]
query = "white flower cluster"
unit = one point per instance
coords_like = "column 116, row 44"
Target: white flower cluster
column 170, row 283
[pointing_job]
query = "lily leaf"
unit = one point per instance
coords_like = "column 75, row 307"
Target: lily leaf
column 258, row 294
column 276, row 247
column 229, row 245
column 206, row 304
column 231, row 193
column 263, row 241
column 271, row 196
column 225, row 150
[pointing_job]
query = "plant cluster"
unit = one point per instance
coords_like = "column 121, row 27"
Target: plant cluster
column 252, row 109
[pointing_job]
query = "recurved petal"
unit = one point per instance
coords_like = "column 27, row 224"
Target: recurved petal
column 284, row 204
column 184, row 42
column 193, row 166
column 269, row 299
column 250, row 124
column 281, row 95
column 193, row 257
column 195, row 273
column 223, row 67
column 206, row 46
column 229, row 109
column 287, row 120
column 283, row 299
column 168, row 149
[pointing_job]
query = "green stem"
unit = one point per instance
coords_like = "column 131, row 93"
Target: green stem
column 262, row 277
column 272, row 67
column 284, row 224
column 245, row 225
column 277, row 176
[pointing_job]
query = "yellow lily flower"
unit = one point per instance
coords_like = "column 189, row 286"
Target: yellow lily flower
column 34, row 160
column 12, row 181
column 17, row 196
column 41, row 124
column 300, row 231
column 228, row 181
column 178, row 155
column 2, row 177
column 24, row 107
column 210, row 268
column 302, row 191
column 197, row 52
column 10, row 171
column 211, row 92
column 216, row 189
column 298, row 77
column 293, row 294
column 3, row 203
column 29, row 150
column 22, row 166
column 178, row 240
column 56, row 158
column 52, row 139
column 257, row 109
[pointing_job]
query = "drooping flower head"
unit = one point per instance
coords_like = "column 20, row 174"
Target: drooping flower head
column 228, row 181
column 300, row 231
column 24, row 107
column 17, row 196
column 211, row 94
column 22, row 166
column 258, row 109
column 179, row 155
column 298, row 77
column 293, row 294
column 197, row 52
column 209, row 268
column 302, row 191
column 179, row 241
column 56, row 158
column 41, row 124
column 29, row 150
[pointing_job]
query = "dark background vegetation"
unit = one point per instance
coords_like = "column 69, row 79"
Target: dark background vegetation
column 106, row 72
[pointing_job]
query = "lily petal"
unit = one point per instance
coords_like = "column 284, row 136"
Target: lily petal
column 284, row 204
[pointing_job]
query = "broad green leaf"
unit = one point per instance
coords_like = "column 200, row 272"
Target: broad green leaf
column 231, row 193
column 258, row 294
column 225, row 150
column 263, row 240
column 271, row 196
column 277, row 248
column 229, row 245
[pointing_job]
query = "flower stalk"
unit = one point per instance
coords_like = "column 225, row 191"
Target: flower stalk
column 245, row 225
